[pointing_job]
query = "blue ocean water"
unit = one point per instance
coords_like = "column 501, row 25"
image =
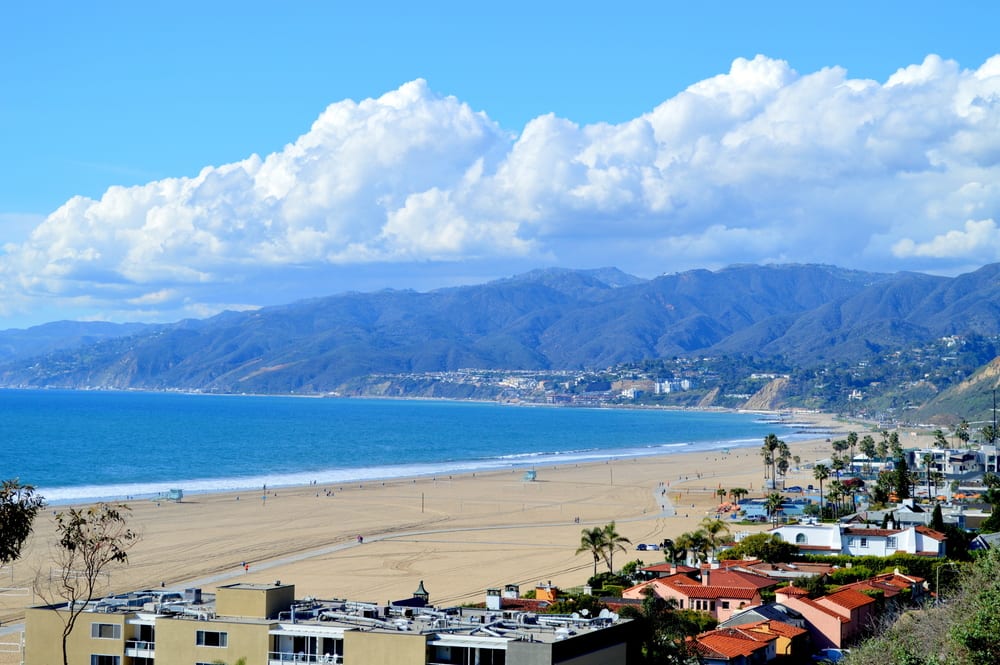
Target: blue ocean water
column 94, row 445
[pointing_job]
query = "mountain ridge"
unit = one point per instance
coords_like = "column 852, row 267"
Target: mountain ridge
column 546, row 319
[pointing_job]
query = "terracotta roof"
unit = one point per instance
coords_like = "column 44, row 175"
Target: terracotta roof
column 891, row 584
column 825, row 610
column 792, row 591
column 930, row 533
column 848, row 599
column 738, row 578
column 774, row 627
column 730, row 643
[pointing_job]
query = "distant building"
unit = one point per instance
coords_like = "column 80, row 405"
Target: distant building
column 267, row 625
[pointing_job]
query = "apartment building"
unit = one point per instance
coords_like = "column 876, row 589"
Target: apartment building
column 266, row 625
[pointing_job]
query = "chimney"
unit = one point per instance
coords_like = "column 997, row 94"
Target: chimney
column 673, row 567
column 705, row 570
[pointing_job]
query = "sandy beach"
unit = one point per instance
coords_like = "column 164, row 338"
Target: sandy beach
column 458, row 534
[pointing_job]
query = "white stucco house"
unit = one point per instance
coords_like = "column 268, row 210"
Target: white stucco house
column 861, row 540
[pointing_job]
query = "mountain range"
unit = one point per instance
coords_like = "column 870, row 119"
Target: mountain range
column 807, row 315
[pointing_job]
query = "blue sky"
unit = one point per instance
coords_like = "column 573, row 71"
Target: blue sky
column 521, row 135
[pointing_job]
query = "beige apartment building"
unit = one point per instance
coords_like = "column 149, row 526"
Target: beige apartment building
column 267, row 625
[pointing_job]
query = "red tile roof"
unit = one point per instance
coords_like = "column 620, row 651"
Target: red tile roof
column 731, row 642
column 849, row 599
column 825, row 610
column 930, row 533
column 775, row 627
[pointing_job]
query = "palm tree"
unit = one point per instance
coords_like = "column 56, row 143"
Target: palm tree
column 613, row 541
column 894, row 445
column 592, row 540
column 928, row 459
column 821, row 473
column 837, row 465
column 773, row 504
column 962, row 432
column 883, row 446
column 783, row 457
column 837, row 492
column 852, row 442
column 714, row 530
column 721, row 493
column 868, row 449
column 739, row 492
column 671, row 550
column 694, row 543
column 771, row 442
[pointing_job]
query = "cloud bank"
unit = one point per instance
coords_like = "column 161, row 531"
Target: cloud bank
column 760, row 164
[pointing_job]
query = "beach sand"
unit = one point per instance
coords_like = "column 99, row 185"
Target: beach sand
column 458, row 534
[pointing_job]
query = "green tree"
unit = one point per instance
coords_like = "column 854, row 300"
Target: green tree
column 894, row 445
column 592, row 541
column 695, row 543
column 665, row 631
column 852, row 443
column 883, row 446
column 962, row 432
column 928, row 460
column 715, row 530
column 937, row 519
column 613, row 541
column 764, row 546
column 90, row 540
column 821, row 473
column 769, row 452
column 902, row 480
column 773, row 503
column 868, row 449
column 19, row 504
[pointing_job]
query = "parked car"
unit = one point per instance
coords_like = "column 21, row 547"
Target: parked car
column 641, row 547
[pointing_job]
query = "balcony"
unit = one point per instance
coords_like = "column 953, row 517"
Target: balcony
column 286, row 657
column 139, row 649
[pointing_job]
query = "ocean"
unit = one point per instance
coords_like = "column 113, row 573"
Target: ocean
column 95, row 445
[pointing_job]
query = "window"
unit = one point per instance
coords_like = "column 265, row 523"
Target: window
column 101, row 659
column 890, row 542
column 212, row 638
column 853, row 542
column 106, row 631
column 801, row 539
column 725, row 604
column 864, row 542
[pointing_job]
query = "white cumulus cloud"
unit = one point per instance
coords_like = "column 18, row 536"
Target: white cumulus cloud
column 758, row 164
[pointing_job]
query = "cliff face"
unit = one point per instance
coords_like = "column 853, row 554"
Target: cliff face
column 766, row 399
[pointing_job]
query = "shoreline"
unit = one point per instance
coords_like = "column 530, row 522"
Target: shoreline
column 806, row 425
column 459, row 533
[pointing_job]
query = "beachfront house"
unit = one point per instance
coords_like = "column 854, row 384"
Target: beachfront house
column 861, row 540
column 267, row 624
